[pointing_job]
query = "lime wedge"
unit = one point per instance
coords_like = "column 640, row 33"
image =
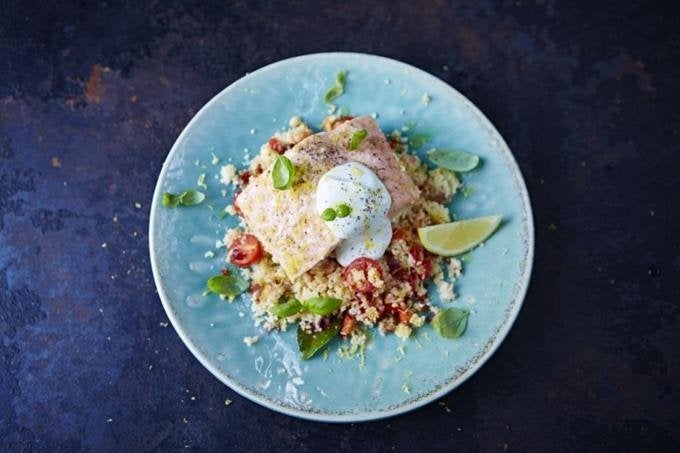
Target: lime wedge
column 449, row 239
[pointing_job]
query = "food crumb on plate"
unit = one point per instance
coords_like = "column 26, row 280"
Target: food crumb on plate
column 249, row 341
column 455, row 268
column 402, row 331
column 228, row 174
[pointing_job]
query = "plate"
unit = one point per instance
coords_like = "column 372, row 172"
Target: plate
column 395, row 376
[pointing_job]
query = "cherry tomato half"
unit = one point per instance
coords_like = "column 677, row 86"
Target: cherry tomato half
column 358, row 281
column 419, row 256
column 245, row 250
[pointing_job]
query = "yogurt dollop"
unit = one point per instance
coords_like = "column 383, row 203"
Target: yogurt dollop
column 366, row 230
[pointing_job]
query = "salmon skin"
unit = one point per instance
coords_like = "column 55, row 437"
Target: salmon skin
column 286, row 221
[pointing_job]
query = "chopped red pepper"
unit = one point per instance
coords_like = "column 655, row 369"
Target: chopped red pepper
column 399, row 233
column 347, row 325
column 404, row 315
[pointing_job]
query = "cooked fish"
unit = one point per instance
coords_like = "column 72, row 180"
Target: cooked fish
column 286, row 221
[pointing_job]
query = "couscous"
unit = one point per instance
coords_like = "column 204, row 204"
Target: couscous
column 388, row 293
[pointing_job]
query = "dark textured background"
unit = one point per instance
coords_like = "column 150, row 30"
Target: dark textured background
column 92, row 96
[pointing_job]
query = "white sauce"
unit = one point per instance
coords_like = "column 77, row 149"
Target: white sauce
column 366, row 230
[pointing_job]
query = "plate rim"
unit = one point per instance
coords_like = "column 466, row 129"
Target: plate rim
column 501, row 334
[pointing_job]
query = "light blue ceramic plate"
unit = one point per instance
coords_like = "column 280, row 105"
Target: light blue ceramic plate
column 236, row 122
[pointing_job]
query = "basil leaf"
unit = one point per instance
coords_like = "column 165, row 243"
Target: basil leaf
column 221, row 214
column 286, row 309
column 357, row 138
column 451, row 323
column 227, row 285
column 453, row 159
column 337, row 89
column 417, row 141
column 170, row 200
column 283, row 173
column 191, row 197
column 322, row 305
column 309, row 344
column 341, row 77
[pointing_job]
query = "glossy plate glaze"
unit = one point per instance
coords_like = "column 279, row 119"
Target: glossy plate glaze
column 396, row 375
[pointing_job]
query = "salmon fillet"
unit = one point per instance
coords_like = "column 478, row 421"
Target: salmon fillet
column 286, row 222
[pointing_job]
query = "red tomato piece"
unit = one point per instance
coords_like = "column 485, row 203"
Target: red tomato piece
column 277, row 146
column 419, row 256
column 359, row 281
column 245, row 250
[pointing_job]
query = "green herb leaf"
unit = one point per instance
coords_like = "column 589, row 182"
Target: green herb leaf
column 417, row 141
column 227, row 285
column 343, row 211
column 170, row 200
column 357, row 138
column 451, row 323
column 186, row 198
column 309, row 344
column 322, row 305
column 201, row 181
column 283, row 173
column 221, row 214
column 286, row 309
column 453, row 159
column 328, row 214
column 191, row 198
column 337, row 89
